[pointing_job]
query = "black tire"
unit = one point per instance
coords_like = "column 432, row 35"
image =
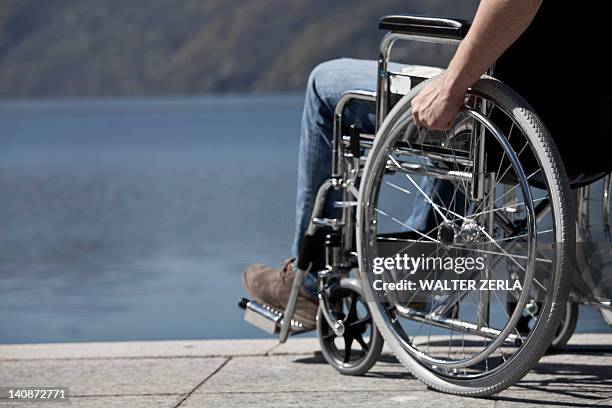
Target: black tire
column 364, row 361
column 535, row 346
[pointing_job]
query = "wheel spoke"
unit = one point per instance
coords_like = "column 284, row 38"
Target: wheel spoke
column 364, row 321
column 403, row 224
column 348, row 342
column 362, row 343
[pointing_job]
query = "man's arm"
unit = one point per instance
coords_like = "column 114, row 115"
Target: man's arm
column 497, row 24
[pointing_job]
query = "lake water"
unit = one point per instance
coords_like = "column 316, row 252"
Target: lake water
column 134, row 219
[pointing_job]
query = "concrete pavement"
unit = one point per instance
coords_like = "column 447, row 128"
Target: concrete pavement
column 263, row 373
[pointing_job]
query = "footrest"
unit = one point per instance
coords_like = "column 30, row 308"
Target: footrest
column 267, row 318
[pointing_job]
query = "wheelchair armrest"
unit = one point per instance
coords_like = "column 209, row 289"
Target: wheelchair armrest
column 436, row 27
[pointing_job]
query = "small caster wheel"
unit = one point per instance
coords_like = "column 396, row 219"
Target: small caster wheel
column 358, row 348
column 566, row 327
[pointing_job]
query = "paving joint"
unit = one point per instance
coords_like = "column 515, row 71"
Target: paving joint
column 208, row 377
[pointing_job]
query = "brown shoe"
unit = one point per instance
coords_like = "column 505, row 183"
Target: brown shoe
column 272, row 287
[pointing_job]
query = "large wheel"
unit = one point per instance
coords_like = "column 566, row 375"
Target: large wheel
column 594, row 239
column 497, row 190
column 606, row 207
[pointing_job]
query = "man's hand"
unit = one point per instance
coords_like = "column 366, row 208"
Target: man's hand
column 497, row 24
column 436, row 106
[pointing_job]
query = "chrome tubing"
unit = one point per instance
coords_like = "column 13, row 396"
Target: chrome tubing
column 337, row 149
column 298, row 279
column 607, row 223
column 471, row 328
column 424, row 170
column 382, row 86
column 336, row 325
column 367, row 141
column 319, row 205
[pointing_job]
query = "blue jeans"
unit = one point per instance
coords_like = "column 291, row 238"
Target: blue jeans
column 326, row 84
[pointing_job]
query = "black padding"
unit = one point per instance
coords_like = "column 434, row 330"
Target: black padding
column 312, row 252
column 354, row 143
column 439, row 27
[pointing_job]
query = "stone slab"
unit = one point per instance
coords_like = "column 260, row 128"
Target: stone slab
column 135, row 349
column 114, row 377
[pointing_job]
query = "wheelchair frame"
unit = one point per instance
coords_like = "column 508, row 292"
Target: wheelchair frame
column 347, row 167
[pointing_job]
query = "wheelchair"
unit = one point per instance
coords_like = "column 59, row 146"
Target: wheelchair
column 496, row 188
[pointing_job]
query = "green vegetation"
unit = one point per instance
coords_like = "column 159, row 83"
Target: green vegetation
column 136, row 47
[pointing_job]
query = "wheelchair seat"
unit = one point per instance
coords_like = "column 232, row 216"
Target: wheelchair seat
column 450, row 28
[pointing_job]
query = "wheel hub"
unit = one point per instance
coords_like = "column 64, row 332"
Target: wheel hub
column 446, row 233
column 470, row 232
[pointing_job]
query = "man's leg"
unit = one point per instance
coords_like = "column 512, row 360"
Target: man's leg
column 326, row 84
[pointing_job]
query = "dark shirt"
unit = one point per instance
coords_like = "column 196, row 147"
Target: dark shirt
column 560, row 66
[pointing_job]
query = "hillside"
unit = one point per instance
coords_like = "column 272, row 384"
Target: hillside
column 133, row 47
